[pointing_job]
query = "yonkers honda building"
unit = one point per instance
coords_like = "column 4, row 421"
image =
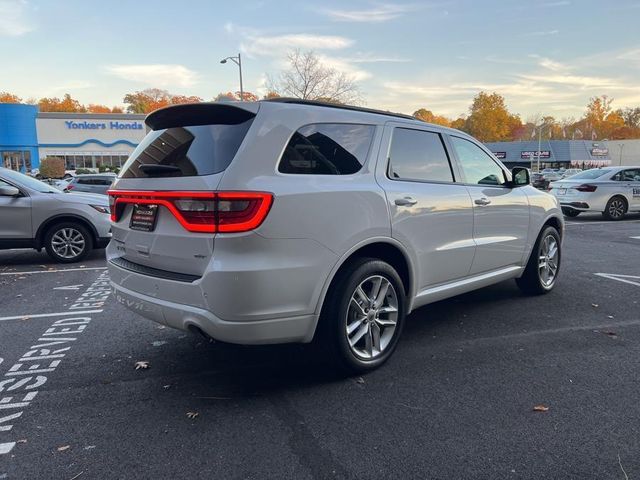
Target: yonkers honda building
column 83, row 140
column 582, row 154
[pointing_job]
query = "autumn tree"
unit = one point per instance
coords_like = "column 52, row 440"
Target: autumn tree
column 151, row 99
column 235, row 97
column 631, row 116
column 429, row 117
column 270, row 94
column 65, row 104
column 307, row 78
column 459, row 123
column 489, row 120
column 95, row 108
column 6, row 97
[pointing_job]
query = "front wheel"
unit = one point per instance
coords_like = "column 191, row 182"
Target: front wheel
column 542, row 269
column 363, row 316
column 68, row 242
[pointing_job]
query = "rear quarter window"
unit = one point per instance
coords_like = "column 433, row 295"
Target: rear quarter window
column 186, row 151
column 327, row 149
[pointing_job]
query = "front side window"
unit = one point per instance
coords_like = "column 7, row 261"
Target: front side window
column 418, row 155
column 477, row 165
column 327, row 149
column 631, row 175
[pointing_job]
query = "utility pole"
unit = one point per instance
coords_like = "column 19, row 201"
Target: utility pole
column 238, row 61
column 620, row 146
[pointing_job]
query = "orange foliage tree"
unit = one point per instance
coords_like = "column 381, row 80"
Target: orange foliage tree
column 65, row 104
column 6, row 97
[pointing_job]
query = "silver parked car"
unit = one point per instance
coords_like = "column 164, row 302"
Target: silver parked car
column 292, row 221
column 36, row 215
column 91, row 183
column 613, row 191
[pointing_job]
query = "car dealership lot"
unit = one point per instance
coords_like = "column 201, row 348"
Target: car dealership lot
column 456, row 400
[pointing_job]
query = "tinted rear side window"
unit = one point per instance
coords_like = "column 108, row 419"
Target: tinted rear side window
column 327, row 149
column 186, row 151
column 418, row 155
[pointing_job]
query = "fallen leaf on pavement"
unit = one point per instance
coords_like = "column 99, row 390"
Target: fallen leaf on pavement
column 610, row 333
column 192, row 415
column 594, row 305
column 609, row 316
column 359, row 380
column 540, row 408
column 22, row 441
column 63, row 448
column 142, row 365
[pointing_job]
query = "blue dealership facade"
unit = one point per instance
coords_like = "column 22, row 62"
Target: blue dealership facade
column 83, row 140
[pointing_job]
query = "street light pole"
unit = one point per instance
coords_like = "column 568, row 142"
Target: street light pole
column 238, row 61
column 620, row 146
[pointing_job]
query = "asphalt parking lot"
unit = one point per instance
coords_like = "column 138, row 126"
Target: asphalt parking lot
column 456, row 400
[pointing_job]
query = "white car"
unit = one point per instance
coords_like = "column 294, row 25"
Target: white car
column 570, row 172
column 291, row 221
column 613, row 191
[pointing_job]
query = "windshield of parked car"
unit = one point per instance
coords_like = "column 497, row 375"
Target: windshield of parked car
column 593, row 173
column 23, row 180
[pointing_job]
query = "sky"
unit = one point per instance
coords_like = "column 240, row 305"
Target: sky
column 545, row 57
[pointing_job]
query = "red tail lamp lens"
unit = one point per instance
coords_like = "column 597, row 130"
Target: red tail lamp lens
column 586, row 188
column 206, row 212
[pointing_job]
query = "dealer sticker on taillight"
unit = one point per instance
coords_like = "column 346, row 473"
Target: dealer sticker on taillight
column 144, row 217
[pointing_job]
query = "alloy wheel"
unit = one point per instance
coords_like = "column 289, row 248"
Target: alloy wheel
column 372, row 317
column 68, row 243
column 616, row 208
column 548, row 260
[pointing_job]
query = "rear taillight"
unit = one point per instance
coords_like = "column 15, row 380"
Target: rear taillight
column 586, row 188
column 205, row 212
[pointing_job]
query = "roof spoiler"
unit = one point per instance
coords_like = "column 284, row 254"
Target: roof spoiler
column 192, row 114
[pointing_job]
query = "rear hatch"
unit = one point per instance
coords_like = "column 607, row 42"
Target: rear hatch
column 164, row 206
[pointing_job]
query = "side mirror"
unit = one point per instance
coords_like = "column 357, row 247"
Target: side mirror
column 9, row 191
column 520, row 177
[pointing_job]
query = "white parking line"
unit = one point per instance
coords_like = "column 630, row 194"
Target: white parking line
column 6, row 447
column 621, row 278
column 54, row 271
column 635, row 238
column 42, row 315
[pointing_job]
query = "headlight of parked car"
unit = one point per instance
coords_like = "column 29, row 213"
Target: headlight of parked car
column 101, row 208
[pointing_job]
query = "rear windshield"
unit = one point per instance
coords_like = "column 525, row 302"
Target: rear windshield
column 593, row 173
column 186, row 151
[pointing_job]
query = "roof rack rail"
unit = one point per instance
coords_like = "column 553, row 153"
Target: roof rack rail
column 318, row 103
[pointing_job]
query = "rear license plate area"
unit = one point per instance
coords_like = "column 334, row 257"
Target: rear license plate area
column 562, row 191
column 144, row 217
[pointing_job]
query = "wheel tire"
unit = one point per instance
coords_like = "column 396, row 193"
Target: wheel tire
column 570, row 212
column 532, row 281
column 332, row 338
column 616, row 208
column 77, row 235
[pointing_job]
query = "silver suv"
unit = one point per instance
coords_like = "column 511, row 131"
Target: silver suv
column 36, row 215
column 292, row 221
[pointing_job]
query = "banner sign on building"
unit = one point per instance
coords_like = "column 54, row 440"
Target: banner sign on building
column 500, row 155
column 534, row 154
column 599, row 152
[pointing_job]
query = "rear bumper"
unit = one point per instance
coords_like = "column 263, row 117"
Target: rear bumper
column 184, row 317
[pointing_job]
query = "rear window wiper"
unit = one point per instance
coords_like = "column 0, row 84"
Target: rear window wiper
column 159, row 170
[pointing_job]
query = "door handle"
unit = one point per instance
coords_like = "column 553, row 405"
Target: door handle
column 482, row 201
column 405, row 202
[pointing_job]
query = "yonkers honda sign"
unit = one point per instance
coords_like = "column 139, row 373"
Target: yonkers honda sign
column 534, row 154
column 112, row 125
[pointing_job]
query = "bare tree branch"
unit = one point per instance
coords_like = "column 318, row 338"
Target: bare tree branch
column 309, row 79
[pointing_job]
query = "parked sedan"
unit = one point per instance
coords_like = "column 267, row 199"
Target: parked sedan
column 613, row 191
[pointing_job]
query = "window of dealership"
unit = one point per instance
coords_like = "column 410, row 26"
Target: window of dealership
column 82, row 140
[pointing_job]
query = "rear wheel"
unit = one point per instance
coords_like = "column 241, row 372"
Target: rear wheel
column 68, row 242
column 363, row 316
column 542, row 269
column 616, row 208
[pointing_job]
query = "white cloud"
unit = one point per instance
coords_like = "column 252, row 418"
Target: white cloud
column 160, row 75
column 277, row 44
column 542, row 33
column 381, row 13
column 345, row 66
column 14, row 18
